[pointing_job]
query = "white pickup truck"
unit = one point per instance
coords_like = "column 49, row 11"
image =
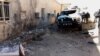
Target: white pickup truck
column 69, row 19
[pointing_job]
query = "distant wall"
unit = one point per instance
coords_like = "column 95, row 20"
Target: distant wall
column 47, row 9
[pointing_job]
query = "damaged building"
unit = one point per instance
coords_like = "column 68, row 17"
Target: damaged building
column 17, row 16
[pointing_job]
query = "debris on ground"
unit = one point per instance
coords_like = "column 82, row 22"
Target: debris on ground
column 12, row 44
column 50, row 42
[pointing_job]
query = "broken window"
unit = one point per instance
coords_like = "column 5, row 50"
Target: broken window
column 43, row 13
column 48, row 15
column 37, row 15
column 4, row 10
column 54, row 12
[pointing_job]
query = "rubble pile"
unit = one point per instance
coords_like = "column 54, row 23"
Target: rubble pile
column 12, row 44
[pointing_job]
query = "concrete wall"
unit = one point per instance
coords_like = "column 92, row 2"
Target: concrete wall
column 50, row 6
column 22, row 16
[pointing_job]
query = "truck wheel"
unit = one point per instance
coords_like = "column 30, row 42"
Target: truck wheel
column 79, row 28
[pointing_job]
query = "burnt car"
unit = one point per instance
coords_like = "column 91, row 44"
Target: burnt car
column 67, row 20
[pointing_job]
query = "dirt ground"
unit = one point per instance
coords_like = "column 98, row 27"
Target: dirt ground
column 54, row 43
column 62, row 44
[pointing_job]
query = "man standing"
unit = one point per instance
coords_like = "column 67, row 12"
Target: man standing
column 85, row 16
column 97, row 14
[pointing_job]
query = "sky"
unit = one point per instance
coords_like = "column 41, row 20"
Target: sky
column 93, row 5
column 81, row 3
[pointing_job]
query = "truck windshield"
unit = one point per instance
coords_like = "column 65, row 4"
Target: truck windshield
column 67, row 12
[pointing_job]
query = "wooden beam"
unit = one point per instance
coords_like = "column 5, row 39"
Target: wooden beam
column 21, row 50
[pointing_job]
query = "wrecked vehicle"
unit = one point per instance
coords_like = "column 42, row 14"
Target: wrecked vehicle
column 67, row 20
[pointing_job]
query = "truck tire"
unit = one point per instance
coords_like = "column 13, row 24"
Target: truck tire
column 80, row 28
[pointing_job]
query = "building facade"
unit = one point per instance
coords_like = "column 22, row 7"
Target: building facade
column 46, row 9
column 17, row 16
